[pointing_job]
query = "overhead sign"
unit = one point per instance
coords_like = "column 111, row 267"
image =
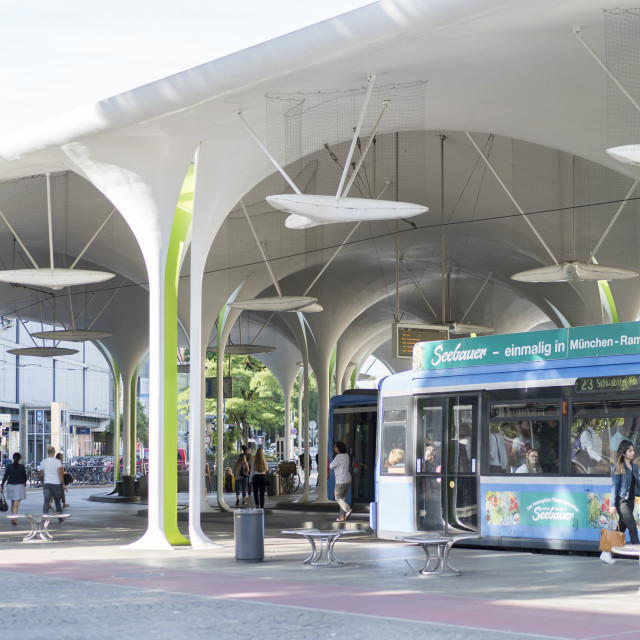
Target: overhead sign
column 405, row 336
column 556, row 344
column 5, row 417
column 211, row 387
column 39, row 415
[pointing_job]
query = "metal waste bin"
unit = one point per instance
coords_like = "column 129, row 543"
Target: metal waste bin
column 128, row 486
column 273, row 488
column 248, row 533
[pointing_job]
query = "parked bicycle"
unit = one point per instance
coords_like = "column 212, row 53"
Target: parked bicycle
column 289, row 476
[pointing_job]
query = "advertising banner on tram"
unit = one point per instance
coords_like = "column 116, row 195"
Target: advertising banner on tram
column 527, row 511
column 622, row 338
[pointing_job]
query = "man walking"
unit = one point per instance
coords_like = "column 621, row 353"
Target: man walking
column 52, row 476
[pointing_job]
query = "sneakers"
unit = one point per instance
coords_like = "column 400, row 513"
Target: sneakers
column 340, row 519
column 346, row 515
column 605, row 556
column 13, row 521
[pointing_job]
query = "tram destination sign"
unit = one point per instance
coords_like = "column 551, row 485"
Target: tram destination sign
column 610, row 383
column 556, row 344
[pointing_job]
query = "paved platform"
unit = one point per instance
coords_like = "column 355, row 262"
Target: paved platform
column 88, row 581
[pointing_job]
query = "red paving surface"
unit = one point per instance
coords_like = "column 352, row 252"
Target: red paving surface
column 462, row 611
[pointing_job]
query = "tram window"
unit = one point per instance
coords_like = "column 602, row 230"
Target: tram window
column 394, row 442
column 517, row 429
column 595, row 440
column 429, row 438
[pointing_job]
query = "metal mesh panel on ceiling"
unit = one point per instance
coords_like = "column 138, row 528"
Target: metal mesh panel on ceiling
column 299, row 124
column 622, row 46
column 570, row 201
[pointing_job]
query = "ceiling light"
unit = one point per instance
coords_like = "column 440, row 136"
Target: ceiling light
column 573, row 271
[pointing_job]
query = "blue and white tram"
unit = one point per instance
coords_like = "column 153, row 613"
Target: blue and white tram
column 458, row 436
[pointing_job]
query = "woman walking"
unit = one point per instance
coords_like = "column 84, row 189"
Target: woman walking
column 15, row 477
column 624, row 481
column 241, row 475
column 258, row 478
column 340, row 465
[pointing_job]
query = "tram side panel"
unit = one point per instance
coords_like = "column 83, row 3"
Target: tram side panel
column 563, row 506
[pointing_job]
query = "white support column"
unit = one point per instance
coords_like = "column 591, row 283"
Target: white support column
column 322, row 378
column 196, row 411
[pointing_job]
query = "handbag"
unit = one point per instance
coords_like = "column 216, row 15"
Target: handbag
column 3, row 503
column 610, row 538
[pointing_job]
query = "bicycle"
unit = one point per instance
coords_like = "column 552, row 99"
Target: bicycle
column 289, row 476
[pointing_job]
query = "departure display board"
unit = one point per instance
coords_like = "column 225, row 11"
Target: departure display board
column 611, row 383
column 404, row 336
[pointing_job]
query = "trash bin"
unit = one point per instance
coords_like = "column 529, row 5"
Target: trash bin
column 273, row 488
column 183, row 481
column 248, row 534
column 143, row 483
column 128, row 486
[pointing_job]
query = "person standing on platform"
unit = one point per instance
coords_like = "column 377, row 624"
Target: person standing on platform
column 340, row 465
column 52, row 477
column 15, row 477
column 258, row 478
column 624, row 487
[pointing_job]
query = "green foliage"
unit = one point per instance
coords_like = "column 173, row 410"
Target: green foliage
column 142, row 425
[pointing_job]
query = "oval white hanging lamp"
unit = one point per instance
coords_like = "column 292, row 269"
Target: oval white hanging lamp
column 307, row 210
column 243, row 349
column 628, row 153
column 72, row 335
column 52, row 278
column 274, row 303
column 42, row 352
column 467, row 327
column 574, row 271
column 55, row 278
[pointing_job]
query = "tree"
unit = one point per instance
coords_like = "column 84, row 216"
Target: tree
column 257, row 404
column 142, row 425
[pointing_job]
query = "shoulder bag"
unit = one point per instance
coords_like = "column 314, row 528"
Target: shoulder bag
column 3, row 503
column 610, row 538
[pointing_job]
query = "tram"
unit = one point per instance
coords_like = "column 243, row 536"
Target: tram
column 353, row 420
column 509, row 436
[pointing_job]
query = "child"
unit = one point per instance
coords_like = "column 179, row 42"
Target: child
column 228, row 479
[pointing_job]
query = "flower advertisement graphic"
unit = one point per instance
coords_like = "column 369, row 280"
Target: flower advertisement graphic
column 502, row 507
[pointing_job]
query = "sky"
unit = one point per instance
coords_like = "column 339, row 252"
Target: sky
column 58, row 56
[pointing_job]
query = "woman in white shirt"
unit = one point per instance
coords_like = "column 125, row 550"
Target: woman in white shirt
column 340, row 465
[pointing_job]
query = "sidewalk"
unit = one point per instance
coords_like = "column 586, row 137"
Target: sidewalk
column 87, row 577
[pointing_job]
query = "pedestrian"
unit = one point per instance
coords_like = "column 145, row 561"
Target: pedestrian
column 207, row 478
column 624, row 478
column 65, row 491
column 258, row 478
column 52, row 478
column 241, row 476
column 340, row 465
column 249, row 458
column 15, row 477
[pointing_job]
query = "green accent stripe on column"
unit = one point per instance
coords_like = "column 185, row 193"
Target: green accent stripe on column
column 181, row 225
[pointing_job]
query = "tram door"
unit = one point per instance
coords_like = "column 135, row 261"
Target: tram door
column 447, row 463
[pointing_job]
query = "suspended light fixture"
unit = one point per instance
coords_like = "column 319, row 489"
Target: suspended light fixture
column 460, row 328
column 628, row 153
column 274, row 303
column 307, row 210
column 574, row 271
column 243, row 349
column 72, row 335
column 54, row 277
column 42, row 352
